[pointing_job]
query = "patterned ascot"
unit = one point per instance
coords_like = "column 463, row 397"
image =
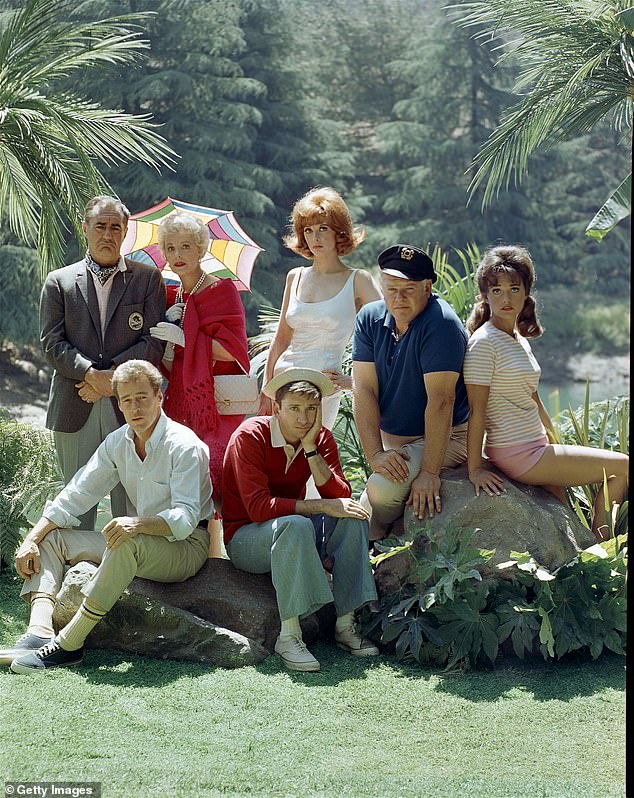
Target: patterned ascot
column 104, row 273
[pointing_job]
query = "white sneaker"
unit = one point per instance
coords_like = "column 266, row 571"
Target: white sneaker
column 351, row 641
column 294, row 654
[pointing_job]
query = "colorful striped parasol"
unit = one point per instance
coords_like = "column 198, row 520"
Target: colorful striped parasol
column 231, row 252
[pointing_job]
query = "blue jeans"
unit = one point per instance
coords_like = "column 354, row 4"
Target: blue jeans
column 292, row 549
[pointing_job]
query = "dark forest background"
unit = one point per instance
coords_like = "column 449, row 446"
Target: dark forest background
column 388, row 101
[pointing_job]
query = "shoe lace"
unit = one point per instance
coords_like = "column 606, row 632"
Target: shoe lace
column 48, row 648
column 299, row 645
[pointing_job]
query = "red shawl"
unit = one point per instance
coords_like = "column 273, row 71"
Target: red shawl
column 214, row 314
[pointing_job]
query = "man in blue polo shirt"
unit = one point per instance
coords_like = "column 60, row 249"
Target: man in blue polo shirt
column 410, row 402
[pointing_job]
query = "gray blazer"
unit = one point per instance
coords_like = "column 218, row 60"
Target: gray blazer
column 70, row 332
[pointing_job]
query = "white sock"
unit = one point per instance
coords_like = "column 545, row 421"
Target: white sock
column 72, row 636
column 291, row 628
column 344, row 621
column 41, row 620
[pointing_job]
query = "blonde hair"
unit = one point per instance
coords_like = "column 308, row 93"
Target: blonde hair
column 184, row 223
column 136, row 370
column 322, row 205
column 512, row 262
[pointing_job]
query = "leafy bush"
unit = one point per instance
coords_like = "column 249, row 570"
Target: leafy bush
column 445, row 614
column 603, row 425
column 29, row 475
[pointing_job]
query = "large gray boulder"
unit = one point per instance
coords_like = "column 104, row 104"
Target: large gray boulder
column 524, row 518
column 221, row 616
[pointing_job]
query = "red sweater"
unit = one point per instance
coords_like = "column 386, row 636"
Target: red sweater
column 256, row 485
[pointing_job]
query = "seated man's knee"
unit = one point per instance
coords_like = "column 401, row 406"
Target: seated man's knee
column 383, row 492
column 294, row 529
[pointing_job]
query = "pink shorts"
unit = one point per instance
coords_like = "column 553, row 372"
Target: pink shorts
column 517, row 460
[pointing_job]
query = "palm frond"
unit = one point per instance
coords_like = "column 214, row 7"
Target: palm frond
column 50, row 138
column 576, row 68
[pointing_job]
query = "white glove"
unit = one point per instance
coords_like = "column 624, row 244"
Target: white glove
column 175, row 313
column 165, row 331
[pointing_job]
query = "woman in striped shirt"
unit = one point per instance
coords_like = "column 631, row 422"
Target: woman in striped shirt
column 502, row 377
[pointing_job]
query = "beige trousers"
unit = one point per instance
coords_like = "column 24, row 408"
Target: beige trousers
column 385, row 500
column 149, row 556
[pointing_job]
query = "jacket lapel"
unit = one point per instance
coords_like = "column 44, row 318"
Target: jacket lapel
column 120, row 284
column 87, row 290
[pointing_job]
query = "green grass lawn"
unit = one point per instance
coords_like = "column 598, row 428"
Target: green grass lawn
column 372, row 728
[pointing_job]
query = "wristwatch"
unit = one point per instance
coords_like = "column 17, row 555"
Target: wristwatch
column 311, row 454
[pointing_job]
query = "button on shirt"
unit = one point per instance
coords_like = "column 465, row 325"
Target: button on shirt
column 172, row 482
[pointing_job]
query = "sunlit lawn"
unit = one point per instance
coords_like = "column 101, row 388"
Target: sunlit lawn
column 370, row 728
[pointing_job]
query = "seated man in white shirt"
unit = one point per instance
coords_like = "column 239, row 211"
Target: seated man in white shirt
column 164, row 469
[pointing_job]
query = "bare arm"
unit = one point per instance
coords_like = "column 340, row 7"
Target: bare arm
column 545, row 418
column 366, row 290
column 365, row 403
column 336, row 508
column 482, row 478
column 283, row 334
column 280, row 343
column 441, row 393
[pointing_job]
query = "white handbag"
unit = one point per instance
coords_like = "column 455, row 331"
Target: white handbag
column 237, row 394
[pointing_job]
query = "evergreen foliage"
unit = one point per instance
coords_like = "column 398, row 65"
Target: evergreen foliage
column 20, row 295
column 576, row 62
column 29, row 475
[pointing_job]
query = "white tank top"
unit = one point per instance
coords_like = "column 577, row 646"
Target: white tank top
column 321, row 330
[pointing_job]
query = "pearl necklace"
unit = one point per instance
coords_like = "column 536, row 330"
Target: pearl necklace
column 169, row 347
column 179, row 295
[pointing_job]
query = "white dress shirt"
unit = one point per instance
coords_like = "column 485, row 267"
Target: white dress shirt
column 172, row 482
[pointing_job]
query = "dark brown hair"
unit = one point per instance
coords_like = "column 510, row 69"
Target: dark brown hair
column 326, row 206
column 301, row 387
column 506, row 261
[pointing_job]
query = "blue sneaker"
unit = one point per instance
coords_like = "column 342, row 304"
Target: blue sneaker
column 52, row 655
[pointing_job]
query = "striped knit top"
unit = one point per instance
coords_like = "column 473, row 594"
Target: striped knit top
column 507, row 365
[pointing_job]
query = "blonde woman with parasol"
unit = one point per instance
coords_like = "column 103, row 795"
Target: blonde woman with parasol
column 205, row 335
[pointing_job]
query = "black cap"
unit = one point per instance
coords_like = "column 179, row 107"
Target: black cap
column 410, row 263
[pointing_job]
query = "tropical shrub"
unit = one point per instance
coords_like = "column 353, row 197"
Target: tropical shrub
column 444, row 613
column 29, row 475
column 603, row 425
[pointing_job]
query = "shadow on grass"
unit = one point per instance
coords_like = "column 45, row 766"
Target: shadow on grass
column 559, row 681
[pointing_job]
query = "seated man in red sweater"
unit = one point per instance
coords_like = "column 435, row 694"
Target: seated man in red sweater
column 270, row 527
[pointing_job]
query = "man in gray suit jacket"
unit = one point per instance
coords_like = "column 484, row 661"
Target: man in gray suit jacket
column 94, row 315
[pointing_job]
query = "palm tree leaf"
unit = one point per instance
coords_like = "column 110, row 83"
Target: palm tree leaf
column 614, row 209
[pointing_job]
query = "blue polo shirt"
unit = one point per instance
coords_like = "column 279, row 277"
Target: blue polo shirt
column 434, row 341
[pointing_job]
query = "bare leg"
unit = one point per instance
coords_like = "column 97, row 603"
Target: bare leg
column 558, row 492
column 214, row 527
column 564, row 466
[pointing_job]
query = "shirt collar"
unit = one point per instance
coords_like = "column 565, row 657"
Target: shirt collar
column 278, row 441
column 154, row 439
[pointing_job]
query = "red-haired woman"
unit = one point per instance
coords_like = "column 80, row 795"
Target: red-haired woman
column 321, row 300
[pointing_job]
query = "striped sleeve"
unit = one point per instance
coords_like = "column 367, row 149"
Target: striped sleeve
column 479, row 362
